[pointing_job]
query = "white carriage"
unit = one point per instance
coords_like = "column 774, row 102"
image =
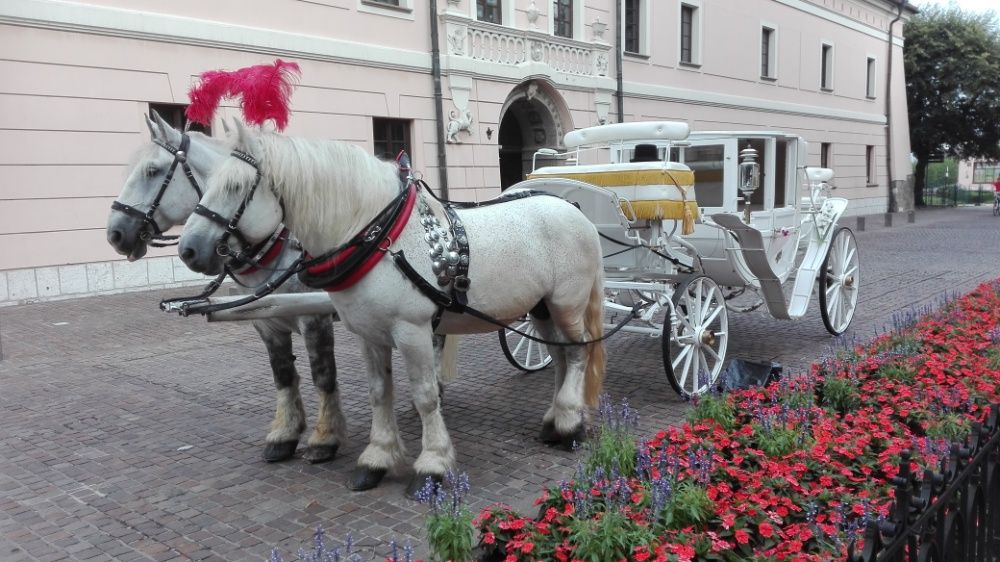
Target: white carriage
column 679, row 254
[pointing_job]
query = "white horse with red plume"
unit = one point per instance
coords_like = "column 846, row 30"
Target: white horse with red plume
column 349, row 209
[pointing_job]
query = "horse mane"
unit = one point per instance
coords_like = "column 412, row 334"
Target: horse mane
column 331, row 189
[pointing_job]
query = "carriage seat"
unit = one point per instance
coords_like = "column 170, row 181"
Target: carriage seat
column 651, row 190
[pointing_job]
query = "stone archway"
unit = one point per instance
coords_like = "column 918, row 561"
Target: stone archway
column 534, row 116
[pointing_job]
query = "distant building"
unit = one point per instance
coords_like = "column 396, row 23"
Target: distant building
column 515, row 76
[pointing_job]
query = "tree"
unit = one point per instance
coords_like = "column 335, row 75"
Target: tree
column 952, row 64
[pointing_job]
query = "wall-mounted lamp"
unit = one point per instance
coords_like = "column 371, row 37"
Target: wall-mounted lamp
column 489, row 133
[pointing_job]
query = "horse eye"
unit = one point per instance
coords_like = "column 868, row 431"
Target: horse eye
column 151, row 171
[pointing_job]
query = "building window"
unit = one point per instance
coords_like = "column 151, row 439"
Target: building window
column 690, row 33
column 826, row 67
column 767, row 52
column 562, row 18
column 386, row 2
column 870, row 82
column 825, row 160
column 633, row 29
column 489, row 11
column 173, row 114
column 872, row 170
column 985, row 172
column 391, row 136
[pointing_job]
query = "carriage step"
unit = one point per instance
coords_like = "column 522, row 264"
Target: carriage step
column 755, row 256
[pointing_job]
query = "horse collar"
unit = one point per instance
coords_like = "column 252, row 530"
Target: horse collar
column 347, row 264
column 266, row 253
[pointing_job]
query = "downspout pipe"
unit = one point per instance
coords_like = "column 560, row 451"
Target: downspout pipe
column 620, row 94
column 888, row 109
column 442, row 157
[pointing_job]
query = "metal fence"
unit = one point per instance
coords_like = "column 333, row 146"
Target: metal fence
column 948, row 516
column 952, row 196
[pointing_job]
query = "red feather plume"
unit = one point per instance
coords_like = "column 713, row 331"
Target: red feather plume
column 265, row 89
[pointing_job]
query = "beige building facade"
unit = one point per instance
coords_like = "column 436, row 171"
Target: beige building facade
column 514, row 76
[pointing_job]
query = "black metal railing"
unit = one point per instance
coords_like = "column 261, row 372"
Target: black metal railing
column 948, row 516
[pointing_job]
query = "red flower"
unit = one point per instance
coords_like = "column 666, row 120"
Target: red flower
column 765, row 529
column 742, row 536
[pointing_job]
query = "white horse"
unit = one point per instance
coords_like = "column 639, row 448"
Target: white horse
column 537, row 254
column 129, row 232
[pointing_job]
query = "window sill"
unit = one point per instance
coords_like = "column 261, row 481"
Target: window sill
column 692, row 65
column 769, row 78
column 870, row 97
column 632, row 55
column 379, row 6
column 827, row 90
column 871, row 185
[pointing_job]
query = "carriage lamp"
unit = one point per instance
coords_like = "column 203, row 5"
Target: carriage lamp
column 749, row 177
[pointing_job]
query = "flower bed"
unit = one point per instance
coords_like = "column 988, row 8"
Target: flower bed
column 795, row 471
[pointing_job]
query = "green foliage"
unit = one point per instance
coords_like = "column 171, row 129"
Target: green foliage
column 450, row 535
column 895, row 372
column 840, row 394
column 715, row 408
column 951, row 426
column 994, row 357
column 952, row 65
column 688, row 505
column 610, row 537
column 778, row 441
column 612, row 449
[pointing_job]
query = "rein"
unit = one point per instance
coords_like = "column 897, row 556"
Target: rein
column 180, row 158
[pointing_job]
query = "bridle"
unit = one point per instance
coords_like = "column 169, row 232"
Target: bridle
column 231, row 226
column 148, row 222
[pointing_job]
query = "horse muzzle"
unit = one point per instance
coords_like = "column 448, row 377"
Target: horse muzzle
column 200, row 256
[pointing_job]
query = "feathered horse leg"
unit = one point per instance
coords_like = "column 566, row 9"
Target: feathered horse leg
column 385, row 449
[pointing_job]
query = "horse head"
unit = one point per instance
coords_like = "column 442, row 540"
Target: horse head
column 239, row 208
column 161, row 187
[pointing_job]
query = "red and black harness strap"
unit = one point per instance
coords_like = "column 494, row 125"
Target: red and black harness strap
column 346, row 264
column 265, row 254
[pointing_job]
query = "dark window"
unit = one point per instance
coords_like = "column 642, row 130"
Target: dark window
column 766, row 36
column 632, row 29
column 389, row 2
column 870, row 83
column 870, row 164
column 173, row 114
column 826, row 68
column 391, row 136
column 563, row 21
column 824, row 155
column 687, row 32
column 488, row 11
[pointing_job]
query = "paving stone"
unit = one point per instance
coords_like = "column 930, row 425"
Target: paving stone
column 133, row 435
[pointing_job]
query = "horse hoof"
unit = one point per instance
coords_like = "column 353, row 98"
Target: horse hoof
column 574, row 438
column 316, row 454
column 364, row 478
column 281, row 451
column 549, row 435
column 419, row 481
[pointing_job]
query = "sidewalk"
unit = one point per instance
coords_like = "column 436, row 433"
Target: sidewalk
column 129, row 434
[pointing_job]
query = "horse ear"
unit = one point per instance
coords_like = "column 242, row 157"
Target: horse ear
column 170, row 134
column 153, row 132
column 242, row 136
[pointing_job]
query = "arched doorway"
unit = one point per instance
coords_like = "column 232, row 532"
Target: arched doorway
column 534, row 116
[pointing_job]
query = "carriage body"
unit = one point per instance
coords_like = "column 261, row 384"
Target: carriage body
column 680, row 280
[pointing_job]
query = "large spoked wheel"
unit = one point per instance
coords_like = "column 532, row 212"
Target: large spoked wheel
column 523, row 353
column 839, row 280
column 693, row 357
column 996, row 206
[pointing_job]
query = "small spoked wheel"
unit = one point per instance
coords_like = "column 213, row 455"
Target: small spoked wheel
column 694, row 352
column 523, row 353
column 996, row 207
column 839, row 279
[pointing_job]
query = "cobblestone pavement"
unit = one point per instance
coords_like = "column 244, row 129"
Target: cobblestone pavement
column 128, row 434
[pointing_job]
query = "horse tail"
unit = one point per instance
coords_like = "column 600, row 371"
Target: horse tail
column 593, row 324
column 449, row 358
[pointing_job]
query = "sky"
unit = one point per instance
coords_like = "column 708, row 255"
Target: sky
column 966, row 5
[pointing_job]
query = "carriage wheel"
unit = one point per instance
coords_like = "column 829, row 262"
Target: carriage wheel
column 693, row 354
column 525, row 354
column 839, row 279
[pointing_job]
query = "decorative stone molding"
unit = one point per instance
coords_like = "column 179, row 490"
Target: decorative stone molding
column 602, row 106
column 601, row 64
column 598, row 28
column 456, row 41
column 460, row 117
column 532, row 13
